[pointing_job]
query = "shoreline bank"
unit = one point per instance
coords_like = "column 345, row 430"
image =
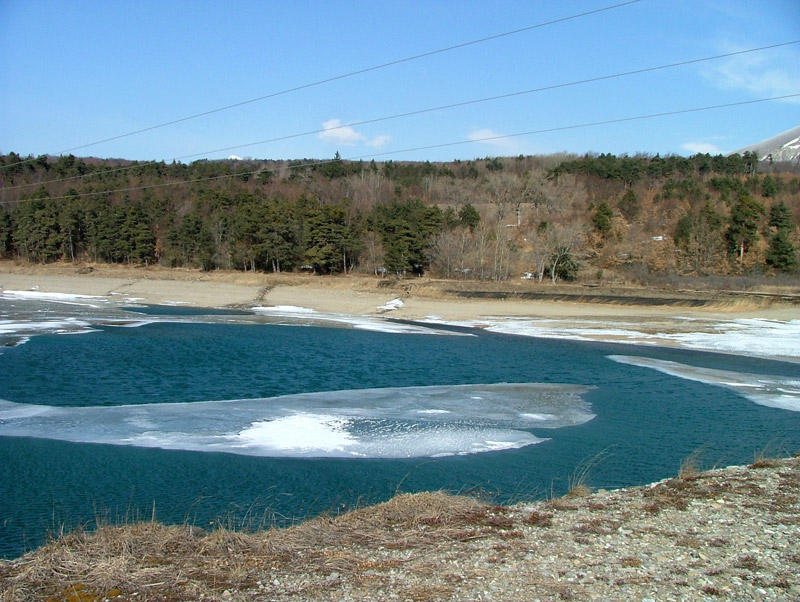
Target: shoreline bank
column 157, row 285
column 749, row 324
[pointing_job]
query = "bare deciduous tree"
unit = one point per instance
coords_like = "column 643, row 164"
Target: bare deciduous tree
column 562, row 240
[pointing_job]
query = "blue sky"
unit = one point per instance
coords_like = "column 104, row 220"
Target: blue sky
column 73, row 73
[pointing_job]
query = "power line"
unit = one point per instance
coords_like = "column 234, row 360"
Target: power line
column 343, row 76
column 434, row 146
column 422, row 111
column 582, row 125
column 488, row 99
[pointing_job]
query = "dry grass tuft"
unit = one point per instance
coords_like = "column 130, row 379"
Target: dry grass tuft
column 581, row 490
column 184, row 563
column 764, row 462
column 539, row 519
column 598, row 526
column 748, row 562
column 405, row 521
column 690, row 466
column 771, row 455
column 577, row 485
column 428, row 593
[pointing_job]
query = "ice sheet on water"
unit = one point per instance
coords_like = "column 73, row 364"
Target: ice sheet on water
column 30, row 313
column 781, row 392
column 63, row 325
column 376, row 423
column 304, row 315
column 45, row 296
column 284, row 310
column 748, row 336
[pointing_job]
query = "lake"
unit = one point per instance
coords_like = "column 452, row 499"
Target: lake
column 111, row 413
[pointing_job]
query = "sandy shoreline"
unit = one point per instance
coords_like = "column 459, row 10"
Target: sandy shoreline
column 655, row 323
column 357, row 295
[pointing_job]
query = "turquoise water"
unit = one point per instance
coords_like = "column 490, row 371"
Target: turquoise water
column 67, row 396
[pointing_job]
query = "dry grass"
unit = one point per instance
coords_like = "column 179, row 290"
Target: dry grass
column 598, row 526
column 690, row 466
column 770, row 456
column 539, row 519
column 577, row 484
column 184, row 563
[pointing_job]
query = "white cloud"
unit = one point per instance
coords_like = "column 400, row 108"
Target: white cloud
column 699, row 146
column 345, row 135
column 379, row 141
column 503, row 145
column 762, row 74
column 337, row 133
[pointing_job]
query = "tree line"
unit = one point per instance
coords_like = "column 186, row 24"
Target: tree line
column 543, row 217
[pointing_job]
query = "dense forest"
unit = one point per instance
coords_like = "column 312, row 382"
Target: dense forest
column 554, row 217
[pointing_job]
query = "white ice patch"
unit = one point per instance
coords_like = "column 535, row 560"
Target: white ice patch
column 15, row 411
column 580, row 333
column 772, row 391
column 372, row 423
column 284, row 310
column 576, row 330
column 747, row 336
column 32, row 313
column 392, row 305
column 12, row 327
column 303, row 315
column 542, row 417
column 43, row 296
column 752, row 336
column 300, row 433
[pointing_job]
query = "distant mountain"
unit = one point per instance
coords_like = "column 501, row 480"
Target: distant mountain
column 783, row 147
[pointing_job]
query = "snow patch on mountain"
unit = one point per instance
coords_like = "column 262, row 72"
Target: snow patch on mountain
column 783, row 147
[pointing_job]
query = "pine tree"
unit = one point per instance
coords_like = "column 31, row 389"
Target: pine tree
column 781, row 253
column 743, row 229
column 629, row 205
column 601, row 219
column 780, row 217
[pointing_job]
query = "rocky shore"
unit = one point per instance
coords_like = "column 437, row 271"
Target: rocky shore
column 728, row 534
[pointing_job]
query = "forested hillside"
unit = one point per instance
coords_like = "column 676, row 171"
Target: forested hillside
column 546, row 217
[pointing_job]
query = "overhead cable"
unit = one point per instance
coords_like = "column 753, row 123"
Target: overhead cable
column 343, row 76
column 433, row 146
column 422, row 111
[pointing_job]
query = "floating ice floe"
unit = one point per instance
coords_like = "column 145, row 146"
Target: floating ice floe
column 747, row 336
column 62, row 298
column 781, row 392
column 304, row 315
column 371, row 423
column 44, row 296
